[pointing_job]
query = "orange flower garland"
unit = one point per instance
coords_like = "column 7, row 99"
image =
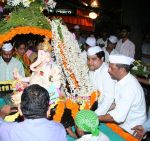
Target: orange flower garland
column 24, row 30
column 74, row 107
column 59, row 111
column 93, row 98
column 119, row 131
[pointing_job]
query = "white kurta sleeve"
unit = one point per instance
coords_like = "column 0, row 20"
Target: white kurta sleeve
column 107, row 94
column 123, row 105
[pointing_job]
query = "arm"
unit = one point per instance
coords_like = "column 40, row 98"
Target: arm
column 106, row 118
column 6, row 110
column 123, row 105
column 140, row 130
column 108, row 95
column 143, row 80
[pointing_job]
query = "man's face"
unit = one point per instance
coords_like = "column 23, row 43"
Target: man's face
column 110, row 45
column 114, row 71
column 124, row 33
column 21, row 49
column 94, row 62
column 7, row 55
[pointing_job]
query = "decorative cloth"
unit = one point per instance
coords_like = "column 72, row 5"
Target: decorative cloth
column 120, row 59
column 87, row 121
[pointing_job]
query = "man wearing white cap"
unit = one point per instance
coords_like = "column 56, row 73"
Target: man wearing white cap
column 100, row 79
column 9, row 63
column 90, row 42
column 110, row 49
column 130, row 108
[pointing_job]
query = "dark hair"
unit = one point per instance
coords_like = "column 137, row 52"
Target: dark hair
column 126, row 27
column 34, row 102
column 101, row 54
column 126, row 67
column 17, row 44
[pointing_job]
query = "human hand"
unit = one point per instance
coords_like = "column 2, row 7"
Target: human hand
column 71, row 133
column 139, row 132
column 6, row 110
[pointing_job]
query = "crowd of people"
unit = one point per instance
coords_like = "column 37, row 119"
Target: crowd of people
column 122, row 99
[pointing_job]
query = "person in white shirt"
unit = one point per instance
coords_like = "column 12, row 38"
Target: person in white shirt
column 130, row 108
column 124, row 45
column 90, row 42
column 102, row 42
column 100, row 78
column 8, row 63
column 110, row 49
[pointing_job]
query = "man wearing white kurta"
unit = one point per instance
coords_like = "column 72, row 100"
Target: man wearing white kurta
column 100, row 79
column 110, row 49
column 8, row 63
column 130, row 109
column 124, row 45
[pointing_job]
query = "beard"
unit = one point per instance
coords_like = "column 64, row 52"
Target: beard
column 7, row 60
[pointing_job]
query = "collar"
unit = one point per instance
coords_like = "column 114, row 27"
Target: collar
column 125, row 41
column 123, row 80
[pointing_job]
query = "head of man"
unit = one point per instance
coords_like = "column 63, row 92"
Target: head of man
column 125, row 31
column 7, row 52
column 95, row 58
column 119, row 66
column 21, row 48
column 111, row 42
column 35, row 102
column 104, row 35
column 88, row 124
column 90, row 42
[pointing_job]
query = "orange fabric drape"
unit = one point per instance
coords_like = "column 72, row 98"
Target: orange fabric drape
column 121, row 132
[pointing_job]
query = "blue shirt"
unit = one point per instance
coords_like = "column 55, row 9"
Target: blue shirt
column 32, row 130
column 6, row 69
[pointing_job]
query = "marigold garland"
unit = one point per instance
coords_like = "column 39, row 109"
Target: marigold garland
column 93, row 98
column 119, row 131
column 74, row 107
column 24, row 30
column 59, row 111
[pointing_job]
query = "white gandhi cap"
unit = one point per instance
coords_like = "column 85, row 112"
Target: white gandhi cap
column 91, row 41
column 113, row 39
column 7, row 47
column 93, row 50
column 120, row 59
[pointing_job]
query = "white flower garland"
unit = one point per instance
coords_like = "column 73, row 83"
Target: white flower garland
column 75, row 63
column 26, row 3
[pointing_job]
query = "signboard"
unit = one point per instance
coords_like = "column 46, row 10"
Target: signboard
column 67, row 12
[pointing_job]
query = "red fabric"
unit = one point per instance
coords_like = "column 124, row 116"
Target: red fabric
column 84, row 23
